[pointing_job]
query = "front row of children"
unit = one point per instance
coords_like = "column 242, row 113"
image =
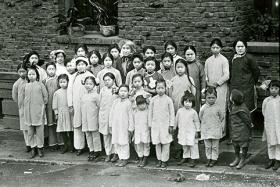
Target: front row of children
column 123, row 115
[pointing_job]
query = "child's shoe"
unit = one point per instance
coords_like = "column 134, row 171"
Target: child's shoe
column 96, row 155
column 212, row 163
column 235, row 162
column 115, row 158
column 79, row 152
column 144, row 162
column 276, row 165
column 64, row 150
column 28, row 149
column 140, row 159
column 242, row 162
column 184, row 160
column 108, row 158
column 118, row 162
column 91, row 156
column 53, row 148
column 192, row 163
column 163, row 164
column 159, row 164
column 208, row 163
column 33, row 152
column 40, row 152
column 123, row 163
column 270, row 164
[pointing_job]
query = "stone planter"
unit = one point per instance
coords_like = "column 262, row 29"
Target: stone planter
column 108, row 30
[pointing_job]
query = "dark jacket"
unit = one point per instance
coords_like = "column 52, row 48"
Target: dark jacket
column 129, row 67
column 240, row 123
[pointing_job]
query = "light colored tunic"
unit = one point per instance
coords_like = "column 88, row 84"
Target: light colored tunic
column 161, row 117
column 75, row 92
column 17, row 91
column 61, row 69
column 34, row 99
column 180, row 84
column 106, row 99
column 130, row 74
column 211, row 118
column 60, row 107
column 271, row 111
column 42, row 73
column 140, row 127
column 90, row 108
column 188, row 124
column 101, row 74
column 121, row 121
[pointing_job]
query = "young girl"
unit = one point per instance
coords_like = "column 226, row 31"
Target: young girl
column 95, row 66
column 81, row 50
column 150, row 51
column 141, row 130
column 70, row 67
column 32, row 59
column 167, row 68
column 124, row 65
column 120, row 123
column 188, row 125
column 151, row 76
column 196, row 71
column 180, row 83
column 60, row 57
column 171, row 47
column 211, row 118
column 107, row 96
column 62, row 114
column 51, row 86
column 90, row 107
column 108, row 62
column 240, row 124
column 217, row 74
column 137, row 60
column 270, row 110
column 115, row 50
column 33, row 100
column 161, row 121
column 17, row 91
column 75, row 93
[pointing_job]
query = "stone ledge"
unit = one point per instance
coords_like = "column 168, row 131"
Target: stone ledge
column 8, row 76
column 263, row 47
column 89, row 39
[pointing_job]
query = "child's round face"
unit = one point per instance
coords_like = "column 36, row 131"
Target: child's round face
column 190, row 55
column 160, row 89
column 63, row 83
column 31, row 75
column 81, row 52
column 71, row 67
column 166, row 62
column 188, row 104
column 60, row 58
column 137, row 63
column 274, row 91
column 240, row 48
column 215, row 49
column 22, row 73
column 115, row 53
column 150, row 66
column 89, row 85
column 81, row 66
column 123, row 93
column 126, row 50
column 211, row 99
column 171, row 49
column 180, row 68
column 149, row 53
column 137, row 82
column 51, row 71
column 108, row 82
column 34, row 60
column 94, row 59
column 108, row 62
column 142, row 106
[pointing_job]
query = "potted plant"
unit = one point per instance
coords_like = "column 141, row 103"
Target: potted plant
column 106, row 16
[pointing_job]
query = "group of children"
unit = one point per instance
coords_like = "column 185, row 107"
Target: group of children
column 124, row 97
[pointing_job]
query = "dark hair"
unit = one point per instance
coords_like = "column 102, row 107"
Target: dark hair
column 83, row 46
column 191, row 47
column 275, row 83
column 138, row 75
column 62, row 76
column 109, row 74
column 188, row 96
column 137, row 55
column 64, row 55
column 50, row 64
column 216, row 41
column 26, row 62
column 96, row 52
column 239, row 40
column 211, row 90
column 180, row 60
column 140, row 99
column 114, row 46
column 123, row 86
column 108, row 55
column 150, row 58
column 167, row 55
column 91, row 78
column 80, row 60
column 20, row 66
column 170, row 42
column 161, row 81
column 237, row 97
column 36, row 71
column 149, row 47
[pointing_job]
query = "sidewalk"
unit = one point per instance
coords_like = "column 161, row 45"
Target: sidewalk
column 13, row 150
